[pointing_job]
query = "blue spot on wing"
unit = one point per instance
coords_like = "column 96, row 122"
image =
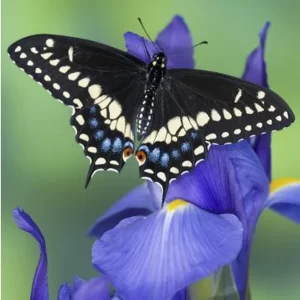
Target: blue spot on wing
column 105, row 146
column 175, row 154
column 164, row 160
column 185, row 147
column 93, row 123
column 128, row 144
column 99, row 135
column 92, row 109
column 144, row 148
column 194, row 135
column 154, row 155
column 117, row 145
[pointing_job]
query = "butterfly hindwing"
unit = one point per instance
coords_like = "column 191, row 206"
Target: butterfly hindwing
column 173, row 147
column 107, row 144
column 101, row 83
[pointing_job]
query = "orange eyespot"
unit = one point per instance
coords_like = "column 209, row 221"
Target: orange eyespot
column 127, row 152
column 141, row 157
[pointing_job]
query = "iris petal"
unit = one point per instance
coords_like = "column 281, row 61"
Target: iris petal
column 286, row 201
column 256, row 72
column 138, row 202
column 154, row 257
column 176, row 42
column 218, row 184
column 262, row 147
column 96, row 288
column 65, row 292
column 182, row 295
column 137, row 45
column 39, row 288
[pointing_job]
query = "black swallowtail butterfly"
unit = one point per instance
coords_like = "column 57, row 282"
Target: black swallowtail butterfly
column 177, row 114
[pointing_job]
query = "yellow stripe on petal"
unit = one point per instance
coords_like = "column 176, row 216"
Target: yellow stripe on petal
column 176, row 203
column 279, row 183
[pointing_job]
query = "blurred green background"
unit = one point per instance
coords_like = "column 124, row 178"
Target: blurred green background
column 44, row 170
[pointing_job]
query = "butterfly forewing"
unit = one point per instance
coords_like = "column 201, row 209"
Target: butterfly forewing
column 103, row 85
column 227, row 109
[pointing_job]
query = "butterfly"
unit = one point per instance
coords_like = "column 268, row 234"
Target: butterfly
column 176, row 114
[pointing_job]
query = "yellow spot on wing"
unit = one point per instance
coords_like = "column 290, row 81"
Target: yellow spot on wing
column 176, row 203
column 279, row 183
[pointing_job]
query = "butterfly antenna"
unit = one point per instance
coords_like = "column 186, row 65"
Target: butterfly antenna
column 147, row 34
column 143, row 41
column 184, row 49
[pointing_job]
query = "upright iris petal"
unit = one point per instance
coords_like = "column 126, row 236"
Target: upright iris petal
column 175, row 40
column 154, row 257
column 93, row 289
column 39, row 290
column 256, row 72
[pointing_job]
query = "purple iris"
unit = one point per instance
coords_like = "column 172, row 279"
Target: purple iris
column 97, row 288
column 93, row 289
column 211, row 212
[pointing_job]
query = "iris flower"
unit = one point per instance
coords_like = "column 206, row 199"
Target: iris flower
column 97, row 288
column 93, row 289
column 210, row 214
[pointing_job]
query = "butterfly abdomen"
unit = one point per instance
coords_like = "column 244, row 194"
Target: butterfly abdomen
column 155, row 73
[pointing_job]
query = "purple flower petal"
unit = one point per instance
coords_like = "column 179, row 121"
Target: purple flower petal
column 231, row 180
column 175, row 41
column 177, row 44
column 255, row 70
column 262, row 147
column 141, row 255
column 286, row 201
column 64, row 292
column 137, row 45
column 138, row 202
column 93, row 289
column 96, row 288
column 182, row 295
column 39, row 290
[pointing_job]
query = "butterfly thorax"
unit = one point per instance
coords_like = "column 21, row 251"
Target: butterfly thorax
column 156, row 71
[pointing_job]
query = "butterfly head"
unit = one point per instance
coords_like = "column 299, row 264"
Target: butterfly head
column 159, row 60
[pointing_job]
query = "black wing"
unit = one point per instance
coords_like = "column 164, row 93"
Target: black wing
column 197, row 108
column 101, row 83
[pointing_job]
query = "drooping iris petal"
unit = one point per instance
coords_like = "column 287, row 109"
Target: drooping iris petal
column 138, row 202
column 39, row 290
column 156, row 256
column 286, row 200
column 138, row 47
column 176, row 41
column 231, row 180
column 229, row 174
